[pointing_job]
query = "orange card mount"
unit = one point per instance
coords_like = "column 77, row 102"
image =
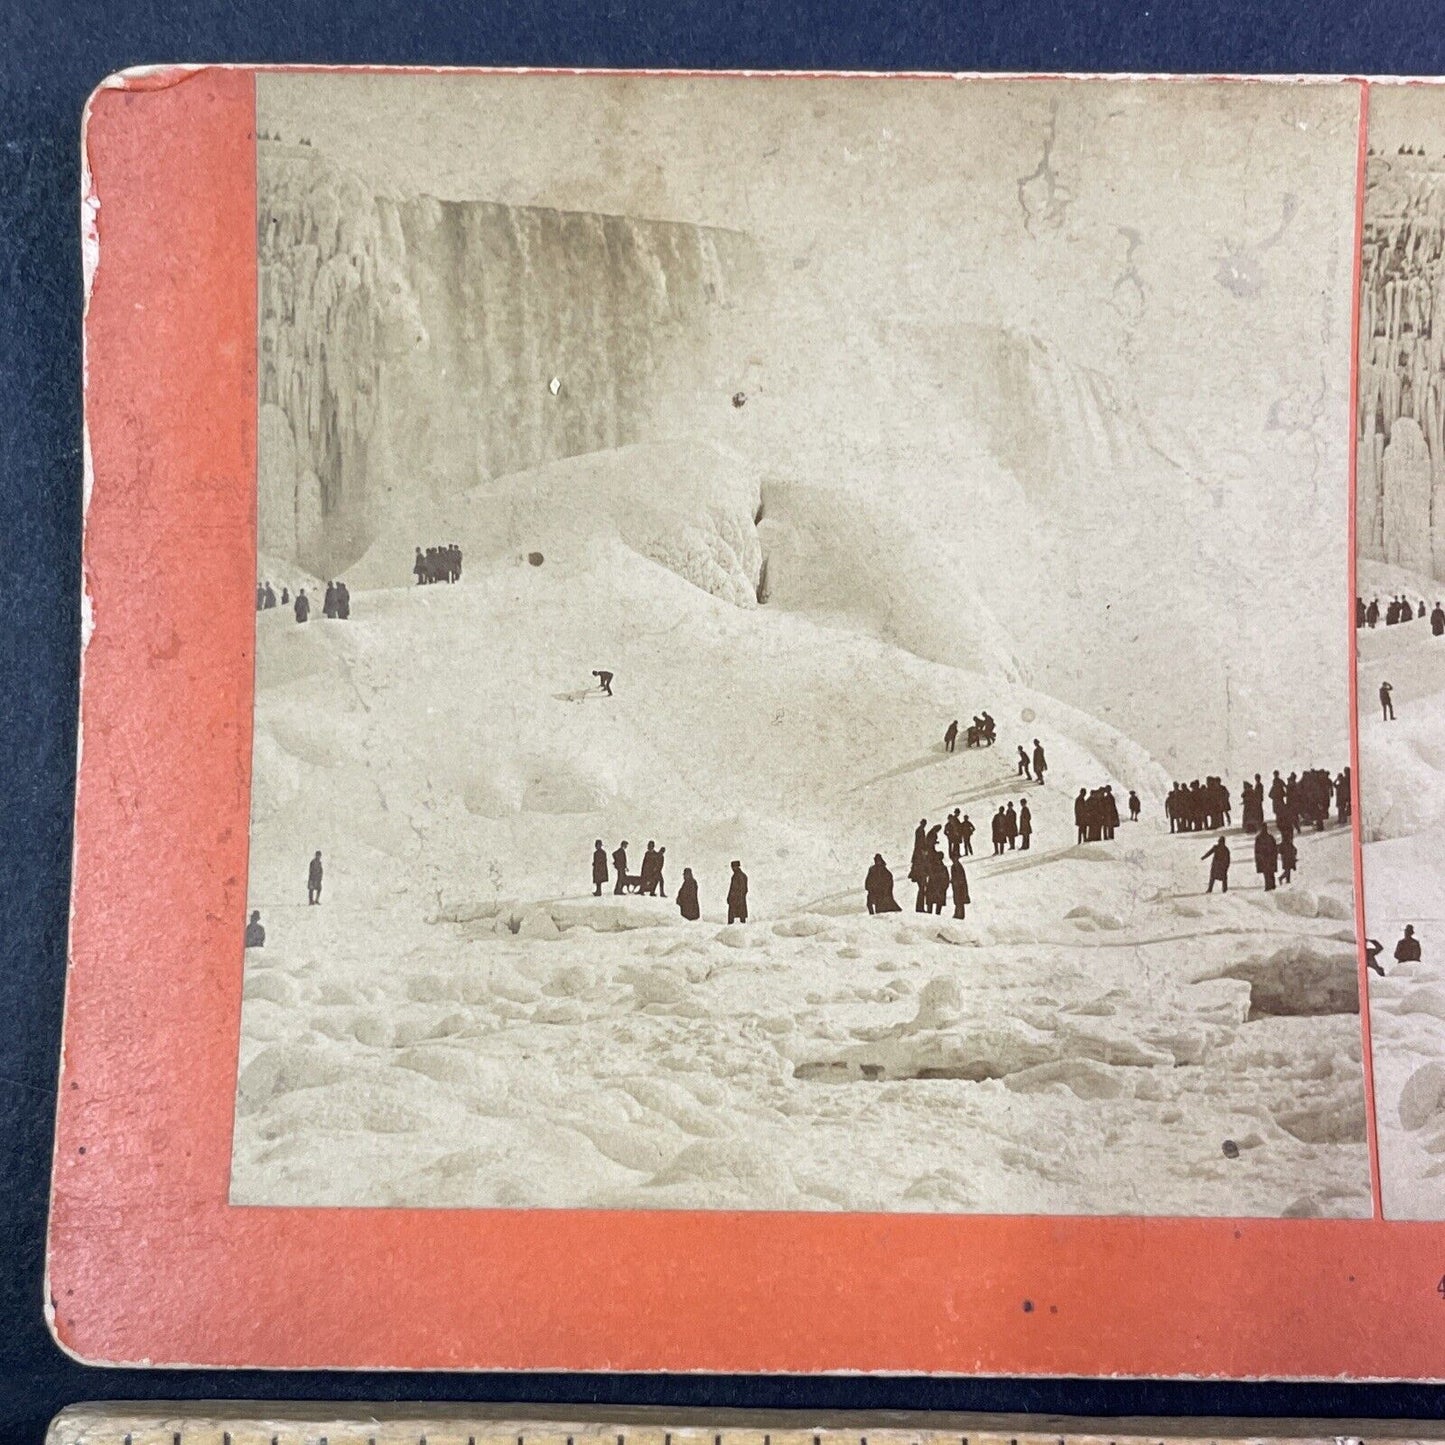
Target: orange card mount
column 719, row 727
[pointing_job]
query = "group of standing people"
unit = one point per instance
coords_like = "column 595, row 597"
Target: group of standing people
column 1096, row 813
column 1398, row 609
column 1010, row 828
column 336, row 603
column 266, row 596
column 1301, row 800
column 438, row 564
column 1033, row 765
column 933, row 878
column 1195, row 806
column 648, row 880
column 1275, row 859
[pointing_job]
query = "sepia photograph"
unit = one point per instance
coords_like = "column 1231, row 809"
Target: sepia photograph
column 1400, row 532
column 803, row 653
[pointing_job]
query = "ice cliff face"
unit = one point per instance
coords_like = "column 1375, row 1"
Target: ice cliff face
column 1401, row 423
column 422, row 345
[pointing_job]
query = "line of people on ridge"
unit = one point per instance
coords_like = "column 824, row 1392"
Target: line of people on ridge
column 1398, row 609
column 438, row 564
column 648, row 880
column 336, row 603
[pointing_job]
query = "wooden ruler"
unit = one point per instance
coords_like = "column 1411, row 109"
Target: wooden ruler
column 321, row 1424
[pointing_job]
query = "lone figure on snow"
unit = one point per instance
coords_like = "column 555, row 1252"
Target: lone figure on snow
column 687, row 897
column 255, row 934
column 1218, row 865
column 950, row 738
column 738, row 895
column 1133, row 806
column 599, row 868
column 1408, row 948
column 878, row 885
column 1041, row 763
column 1266, row 856
column 604, row 681
column 313, row 879
column 1387, row 708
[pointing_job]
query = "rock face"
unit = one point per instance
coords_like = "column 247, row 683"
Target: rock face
column 447, row 342
column 1401, row 403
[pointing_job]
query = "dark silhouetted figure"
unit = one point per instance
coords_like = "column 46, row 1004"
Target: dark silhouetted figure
column 313, row 879
column 1218, row 865
column 1387, row 708
column 255, row 934
column 966, row 832
column 1026, row 824
column 269, row 595
column 343, row 601
column 738, row 894
column 959, row 879
column 418, row 568
column 1437, row 620
column 1408, row 948
column 260, row 597
column 1266, row 856
column 599, row 868
column 1041, row 763
column 1025, row 768
column 1372, row 613
column 328, row 604
column 1011, row 826
column 918, row 864
column 619, row 866
column 937, row 882
column 687, row 897
column 1000, row 832
column 1373, row 949
column 1133, row 806
column 953, row 831
column 647, row 873
column 1288, row 854
column 303, row 606
column 878, row 885
column 1081, row 814
column 653, row 883
column 950, row 737
column 604, row 681
column 285, row 596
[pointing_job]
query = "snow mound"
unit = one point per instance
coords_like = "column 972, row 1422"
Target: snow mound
column 1302, row 978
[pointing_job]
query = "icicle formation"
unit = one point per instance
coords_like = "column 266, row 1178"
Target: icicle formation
column 1401, row 418
column 417, row 346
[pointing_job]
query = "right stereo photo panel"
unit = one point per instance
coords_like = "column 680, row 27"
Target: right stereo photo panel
column 1400, row 626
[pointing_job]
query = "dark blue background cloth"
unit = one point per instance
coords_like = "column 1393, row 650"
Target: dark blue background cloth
column 51, row 55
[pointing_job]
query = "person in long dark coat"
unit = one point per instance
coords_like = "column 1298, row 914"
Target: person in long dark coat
column 647, row 872
column 659, row 883
column 937, row 882
column 1218, row 865
column 950, row 737
column 1372, row 613
column 599, row 868
column 966, row 832
column 953, row 831
column 1266, row 856
column 303, row 606
column 878, row 886
column 1437, row 620
column 255, row 934
column 1288, row 854
column 959, row 879
column 1081, row 814
column 619, row 865
column 1041, row 763
column 313, row 879
column 1026, row 823
column 328, row 605
column 1000, row 832
column 1010, row 826
column 687, row 897
column 738, row 894
column 419, row 568
column 1111, row 811
column 343, row 601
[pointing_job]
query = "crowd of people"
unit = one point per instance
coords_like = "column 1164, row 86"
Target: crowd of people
column 933, row 878
column 1194, row 807
column 1398, row 609
column 336, row 603
column 649, row 880
column 1012, row 829
column 1096, row 814
column 438, row 564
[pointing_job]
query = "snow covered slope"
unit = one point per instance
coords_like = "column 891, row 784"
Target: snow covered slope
column 460, row 1022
